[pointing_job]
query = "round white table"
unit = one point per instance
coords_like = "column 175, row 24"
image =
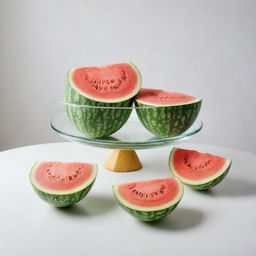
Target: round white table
column 218, row 222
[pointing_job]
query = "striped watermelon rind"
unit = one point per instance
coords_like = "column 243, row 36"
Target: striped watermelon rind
column 97, row 122
column 168, row 121
column 63, row 198
column 201, row 184
column 149, row 214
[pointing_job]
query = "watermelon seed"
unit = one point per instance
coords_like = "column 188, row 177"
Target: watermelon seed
column 132, row 186
column 163, row 186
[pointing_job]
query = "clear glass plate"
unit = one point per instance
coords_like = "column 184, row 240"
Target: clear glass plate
column 133, row 135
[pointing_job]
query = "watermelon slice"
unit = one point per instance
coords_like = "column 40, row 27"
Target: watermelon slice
column 166, row 114
column 62, row 184
column 199, row 170
column 112, row 86
column 149, row 200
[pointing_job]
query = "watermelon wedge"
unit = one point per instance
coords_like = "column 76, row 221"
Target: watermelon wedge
column 62, row 184
column 108, row 89
column 149, row 200
column 199, row 170
column 166, row 114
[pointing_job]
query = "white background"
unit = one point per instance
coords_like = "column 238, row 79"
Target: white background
column 203, row 48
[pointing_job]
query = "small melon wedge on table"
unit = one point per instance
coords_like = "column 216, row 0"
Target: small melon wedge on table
column 62, row 184
column 199, row 170
column 166, row 114
column 102, row 92
column 149, row 200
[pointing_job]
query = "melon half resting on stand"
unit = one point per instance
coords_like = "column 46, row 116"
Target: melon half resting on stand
column 109, row 90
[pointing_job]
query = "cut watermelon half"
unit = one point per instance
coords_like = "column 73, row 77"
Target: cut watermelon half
column 199, row 170
column 166, row 114
column 62, row 184
column 108, row 90
column 149, row 200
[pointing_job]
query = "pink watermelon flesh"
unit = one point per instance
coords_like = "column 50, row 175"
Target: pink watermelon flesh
column 152, row 193
column 160, row 97
column 194, row 166
column 107, row 82
column 62, row 176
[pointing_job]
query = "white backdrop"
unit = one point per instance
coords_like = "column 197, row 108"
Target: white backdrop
column 203, row 48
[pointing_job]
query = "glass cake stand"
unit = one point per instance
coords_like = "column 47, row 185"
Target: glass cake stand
column 132, row 136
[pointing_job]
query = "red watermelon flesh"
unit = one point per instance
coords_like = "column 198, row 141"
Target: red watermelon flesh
column 195, row 166
column 151, row 193
column 163, row 98
column 59, row 176
column 117, row 81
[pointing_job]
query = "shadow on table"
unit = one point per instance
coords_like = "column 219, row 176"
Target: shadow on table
column 232, row 187
column 181, row 219
column 91, row 205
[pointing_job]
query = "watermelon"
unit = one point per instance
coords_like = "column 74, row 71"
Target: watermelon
column 199, row 170
column 102, row 92
column 149, row 200
column 62, row 184
column 166, row 114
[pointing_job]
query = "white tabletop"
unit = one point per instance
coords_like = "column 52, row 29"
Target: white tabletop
column 220, row 222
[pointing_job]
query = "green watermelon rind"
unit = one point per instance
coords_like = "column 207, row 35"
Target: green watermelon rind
column 63, row 198
column 202, row 184
column 97, row 122
column 170, row 120
column 149, row 214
